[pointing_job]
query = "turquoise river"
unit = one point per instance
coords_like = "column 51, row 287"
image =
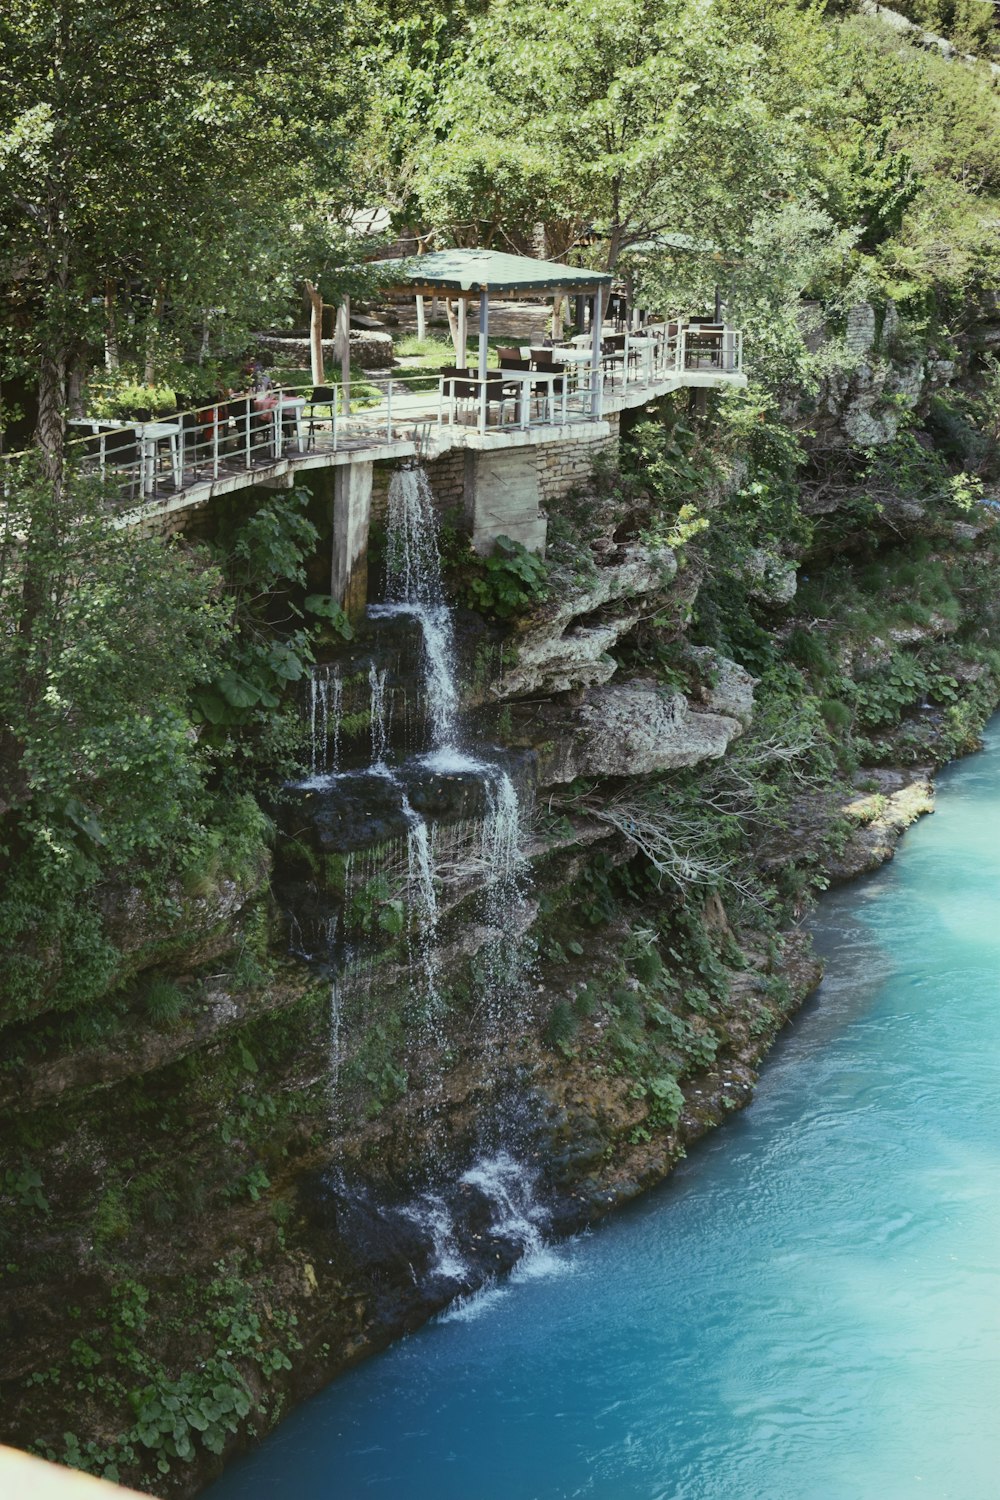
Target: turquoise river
column 809, row 1309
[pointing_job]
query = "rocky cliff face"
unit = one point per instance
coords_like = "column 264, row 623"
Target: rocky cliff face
column 525, row 963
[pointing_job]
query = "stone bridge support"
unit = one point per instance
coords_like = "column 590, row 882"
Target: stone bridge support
column 503, row 498
column 352, row 505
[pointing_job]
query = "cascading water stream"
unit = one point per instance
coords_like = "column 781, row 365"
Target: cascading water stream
column 414, row 587
column 420, row 884
column 325, row 697
column 380, row 727
column 490, row 862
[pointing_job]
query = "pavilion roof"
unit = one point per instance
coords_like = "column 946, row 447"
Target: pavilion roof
column 469, row 272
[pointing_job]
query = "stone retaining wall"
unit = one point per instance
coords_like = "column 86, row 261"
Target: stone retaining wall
column 369, row 350
column 565, row 467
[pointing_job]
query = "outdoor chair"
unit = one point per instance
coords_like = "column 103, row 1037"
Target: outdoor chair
column 498, row 391
column 505, row 354
column 458, row 386
column 545, row 363
column 613, row 354
column 322, row 396
column 704, row 345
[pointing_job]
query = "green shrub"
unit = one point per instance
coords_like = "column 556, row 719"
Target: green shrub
column 808, row 649
column 513, row 580
column 836, row 714
column 560, row 1029
column 163, row 1003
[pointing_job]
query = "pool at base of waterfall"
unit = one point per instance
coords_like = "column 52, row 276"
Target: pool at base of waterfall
column 807, row 1310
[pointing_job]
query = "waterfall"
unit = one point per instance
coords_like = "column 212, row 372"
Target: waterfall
column 413, row 562
column 431, row 1213
column 482, row 860
column 438, row 651
column 334, row 1041
column 503, row 899
column 413, row 587
column 325, row 696
column 423, row 900
column 380, row 727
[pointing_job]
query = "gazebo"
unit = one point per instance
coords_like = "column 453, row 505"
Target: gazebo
column 485, row 275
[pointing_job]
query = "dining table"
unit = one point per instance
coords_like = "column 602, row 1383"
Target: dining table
column 289, row 408
column 148, row 436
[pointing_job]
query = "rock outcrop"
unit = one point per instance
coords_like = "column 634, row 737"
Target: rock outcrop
column 564, row 647
column 640, row 728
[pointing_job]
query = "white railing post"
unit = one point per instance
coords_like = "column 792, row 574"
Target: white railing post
column 482, row 408
column 388, row 411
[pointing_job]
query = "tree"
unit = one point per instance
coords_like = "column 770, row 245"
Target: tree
column 627, row 119
column 155, row 163
column 100, row 769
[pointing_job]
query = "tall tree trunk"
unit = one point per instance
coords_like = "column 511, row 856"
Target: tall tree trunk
column 315, row 332
column 50, row 432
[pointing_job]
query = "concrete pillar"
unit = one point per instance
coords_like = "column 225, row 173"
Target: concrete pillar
column 503, row 498
column 352, row 507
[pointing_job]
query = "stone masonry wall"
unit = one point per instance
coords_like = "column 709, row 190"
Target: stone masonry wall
column 446, row 475
column 564, row 467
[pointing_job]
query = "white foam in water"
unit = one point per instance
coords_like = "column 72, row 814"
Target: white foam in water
column 431, row 1212
column 467, row 1309
column 447, row 761
column 509, row 1186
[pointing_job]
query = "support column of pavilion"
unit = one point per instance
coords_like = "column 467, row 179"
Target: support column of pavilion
column 484, row 351
column 597, row 369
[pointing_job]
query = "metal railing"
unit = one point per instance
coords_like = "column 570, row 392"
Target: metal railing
column 251, row 432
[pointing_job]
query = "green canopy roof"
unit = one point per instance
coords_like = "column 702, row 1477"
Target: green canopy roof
column 469, row 272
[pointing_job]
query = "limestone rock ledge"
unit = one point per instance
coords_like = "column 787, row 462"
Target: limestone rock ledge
column 730, row 689
column 555, row 655
column 636, row 728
